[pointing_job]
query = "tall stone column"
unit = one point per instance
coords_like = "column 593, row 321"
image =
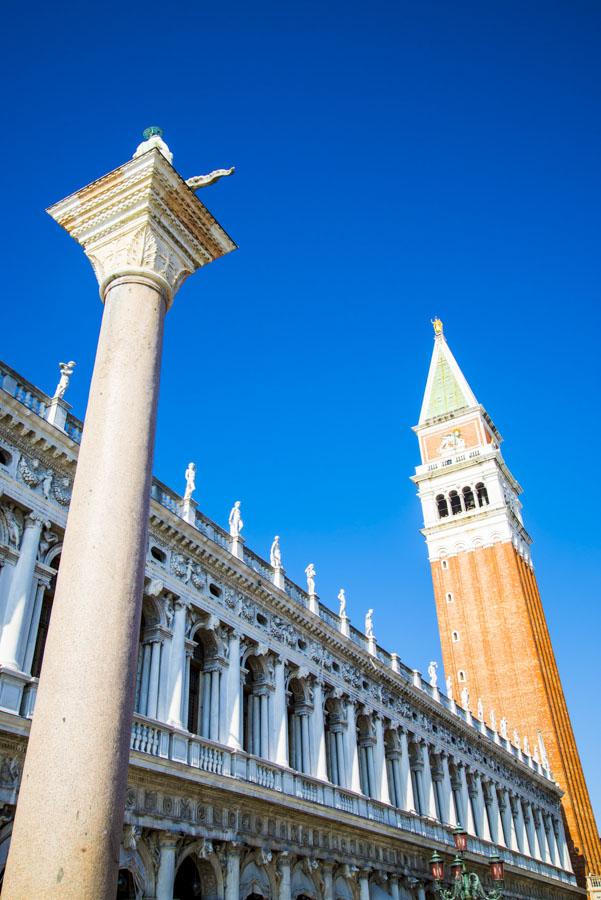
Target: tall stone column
column 427, row 783
column 144, row 231
column 407, row 800
column 327, row 874
column 352, row 754
column 364, row 884
column 153, row 679
column 232, row 877
column 177, row 664
column 166, row 873
column 15, row 622
column 381, row 786
column 320, row 768
column 279, row 712
column 284, row 890
column 234, row 693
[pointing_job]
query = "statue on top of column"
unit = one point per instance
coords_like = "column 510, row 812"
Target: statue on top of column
column 66, row 370
column 433, row 674
column 480, row 709
column 369, row 625
column 190, row 481
column 493, row 720
column 235, row 520
column 310, row 573
column 275, row 554
column 504, row 728
column 342, row 601
column 465, row 699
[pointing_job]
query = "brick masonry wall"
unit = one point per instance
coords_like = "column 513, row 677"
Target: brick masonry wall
column 505, row 651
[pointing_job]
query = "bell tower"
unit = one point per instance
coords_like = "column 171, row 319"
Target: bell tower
column 495, row 642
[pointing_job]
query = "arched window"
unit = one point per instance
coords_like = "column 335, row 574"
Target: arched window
column 5, row 456
column 126, row 887
column 187, row 881
column 482, row 494
column 455, row 502
column 449, row 597
column 461, row 675
column 441, row 503
column 468, row 498
column 444, row 563
column 455, row 636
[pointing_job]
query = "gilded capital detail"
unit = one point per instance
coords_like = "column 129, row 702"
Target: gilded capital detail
column 142, row 220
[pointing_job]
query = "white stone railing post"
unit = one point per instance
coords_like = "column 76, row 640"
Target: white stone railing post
column 144, row 231
column 17, row 612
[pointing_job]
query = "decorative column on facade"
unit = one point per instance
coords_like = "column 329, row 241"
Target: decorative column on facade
column 466, row 806
column 233, row 738
column 153, row 676
column 144, row 232
column 446, row 792
column 232, row 874
column 429, row 800
column 364, row 884
column 280, row 713
column 543, row 849
column 518, row 818
column 320, row 768
column 395, row 893
column 507, row 819
column 494, row 813
column 407, row 799
column 483, row 827
column 353, row 781
column 43, row 583
column 284, row 887
column 327, row 876
column 177, row 664
column 166, row 872
column 382, row 791
column 530, row 831
column 17, row 609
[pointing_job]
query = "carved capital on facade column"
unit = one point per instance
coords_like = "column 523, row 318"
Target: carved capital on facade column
column 142, row 222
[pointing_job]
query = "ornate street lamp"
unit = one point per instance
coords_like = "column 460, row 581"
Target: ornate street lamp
column 466, row 885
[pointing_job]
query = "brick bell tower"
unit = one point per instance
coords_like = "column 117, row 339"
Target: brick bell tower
column 494, row 636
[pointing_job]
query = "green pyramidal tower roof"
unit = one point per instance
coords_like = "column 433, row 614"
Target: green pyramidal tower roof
column 447, row 390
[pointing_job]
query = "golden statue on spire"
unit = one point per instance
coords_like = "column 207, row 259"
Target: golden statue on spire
column 436, row 322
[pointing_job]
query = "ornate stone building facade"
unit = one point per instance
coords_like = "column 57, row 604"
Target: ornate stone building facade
column 276, row 751
column 495, row 641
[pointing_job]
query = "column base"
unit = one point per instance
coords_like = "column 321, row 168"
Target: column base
column 314, row 604
column 279, row 578
column 345, row 626
column 188, row 511
column 237, row 546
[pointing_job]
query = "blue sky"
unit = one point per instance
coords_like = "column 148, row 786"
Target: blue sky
column 394, row 161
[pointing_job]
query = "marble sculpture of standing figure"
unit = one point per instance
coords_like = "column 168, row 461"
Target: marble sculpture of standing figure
column 342, row 600
column 190, row 481
column 310, row 573
column 235, row 520
column 275, row 554
column 432, row 673
column 66, row 372
column 369, row 625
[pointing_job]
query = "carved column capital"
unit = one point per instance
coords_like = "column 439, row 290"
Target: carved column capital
column 141, row 222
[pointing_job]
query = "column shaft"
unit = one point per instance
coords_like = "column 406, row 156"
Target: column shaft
column 177, row 666
column 352, row 756
column 77, row 757
column 232, row 880
column 153, row 681
column 320, row 769
column 17, row 611
column 280, row 713
column 214, row 718
column 166, row 872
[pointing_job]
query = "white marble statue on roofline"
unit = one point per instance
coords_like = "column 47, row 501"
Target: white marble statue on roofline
column 433, row 674
column 480, row 709
column 235, row 520
column 310, row 573
column 190, row 481
column 66, row 370
column 503, row 727
column 369, row 625
column 465, row 699
column 342, row 602
column 275, row 554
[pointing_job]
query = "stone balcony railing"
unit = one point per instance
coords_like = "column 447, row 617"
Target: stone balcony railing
column 153, row 738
